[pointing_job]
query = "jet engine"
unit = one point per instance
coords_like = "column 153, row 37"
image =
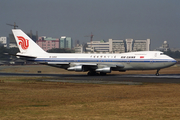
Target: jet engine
column 105, row 70
column 75, row 68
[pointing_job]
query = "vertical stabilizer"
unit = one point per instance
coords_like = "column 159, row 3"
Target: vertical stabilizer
column 26, row 45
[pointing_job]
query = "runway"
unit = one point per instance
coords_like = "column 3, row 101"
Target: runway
column 131, row 79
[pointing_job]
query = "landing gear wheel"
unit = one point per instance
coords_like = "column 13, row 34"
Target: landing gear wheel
column 157, row 73
column 102, row 73
column 92, row 73
column 89, row 73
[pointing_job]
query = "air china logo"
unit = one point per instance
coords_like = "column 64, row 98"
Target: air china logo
column 141, row 56
column 23, row 42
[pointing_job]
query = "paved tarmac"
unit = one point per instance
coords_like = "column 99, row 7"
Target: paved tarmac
column 108, row 79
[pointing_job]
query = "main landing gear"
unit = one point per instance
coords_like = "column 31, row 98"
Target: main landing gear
column 157, row 73
column 94, row 73
column 102, row 73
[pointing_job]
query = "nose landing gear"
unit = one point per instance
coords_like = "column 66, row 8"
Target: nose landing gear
column 157, row 73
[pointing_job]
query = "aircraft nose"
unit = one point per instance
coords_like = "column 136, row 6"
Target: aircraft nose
column 173, row 61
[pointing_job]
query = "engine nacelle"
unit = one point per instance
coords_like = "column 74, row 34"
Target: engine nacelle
column 105, row 70
column 76, row 68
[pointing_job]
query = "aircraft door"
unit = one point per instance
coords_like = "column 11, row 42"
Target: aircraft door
column 128, row 61
column 155, row 55
column 100, row 60
column 152, row 59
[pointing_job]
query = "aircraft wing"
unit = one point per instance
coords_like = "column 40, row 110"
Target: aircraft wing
column 95, row 67
column 75, row 66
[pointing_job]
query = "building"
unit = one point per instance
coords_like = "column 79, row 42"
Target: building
column 66, row 42
column 97, row 46
column 12, row 42
column 117, row 46
column 137, row 45
column 112, row 46
column 13, row 45
column 62, row 43
column 164, row 47
column 141, row 45
column 4, row 42
column 78, row 49
column 129, row 44
column 47, row 43
column 32, row 36
column 69, row 43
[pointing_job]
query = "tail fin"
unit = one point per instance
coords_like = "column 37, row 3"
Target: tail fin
column 26, row 45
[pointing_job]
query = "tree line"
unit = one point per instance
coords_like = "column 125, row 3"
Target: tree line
column 172, row 54
column 5, row 54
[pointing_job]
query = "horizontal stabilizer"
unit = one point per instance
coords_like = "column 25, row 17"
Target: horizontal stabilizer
column 20, row 55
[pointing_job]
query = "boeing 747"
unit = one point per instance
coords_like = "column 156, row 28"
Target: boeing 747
column 93, row 63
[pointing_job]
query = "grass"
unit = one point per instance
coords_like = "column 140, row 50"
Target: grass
column 20, row 99
column 30, row 98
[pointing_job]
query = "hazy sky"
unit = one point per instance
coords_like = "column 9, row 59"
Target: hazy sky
column 158, row 20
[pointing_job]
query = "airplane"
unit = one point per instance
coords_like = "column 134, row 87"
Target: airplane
column 94, row 64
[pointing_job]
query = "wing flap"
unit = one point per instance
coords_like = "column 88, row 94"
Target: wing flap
column 120, row 66
column 85, row 64
column 58, row 63
column 114, row 65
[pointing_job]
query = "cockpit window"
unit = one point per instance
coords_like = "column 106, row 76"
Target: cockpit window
column 161, row 53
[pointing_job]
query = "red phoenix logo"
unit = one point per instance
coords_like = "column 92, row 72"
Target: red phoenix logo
column 23, row 42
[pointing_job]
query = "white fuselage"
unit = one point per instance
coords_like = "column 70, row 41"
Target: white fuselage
column 146, row 60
